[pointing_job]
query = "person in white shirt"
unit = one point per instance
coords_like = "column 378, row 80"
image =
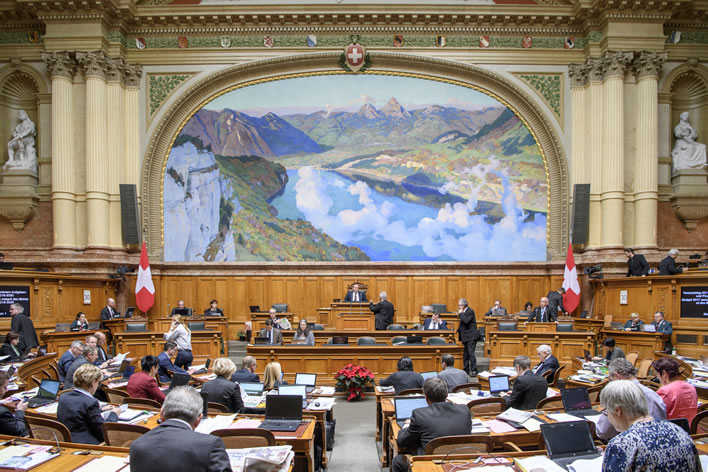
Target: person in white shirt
column 182, row 336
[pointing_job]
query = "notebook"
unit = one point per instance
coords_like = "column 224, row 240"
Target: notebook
column 427, row 375
column 252, row 389
column 498, row 384
column 309, row 380
column 568, row 442
column 576, row 402
column 405, row 406
column 283, row 413
column 46, row 393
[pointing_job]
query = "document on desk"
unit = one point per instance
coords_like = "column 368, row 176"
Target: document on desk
column 539, row 462
column 213, row 423
column 586, row 465
column 563, row 417
column 106, row 464
column 324, row 390
column 532, row 425
column 26, row 462
column 324, row 404
column 385, row 389
column 246, row 423
column 50, row 409
column 270, row 459
column 499, row 427
column 119, row 358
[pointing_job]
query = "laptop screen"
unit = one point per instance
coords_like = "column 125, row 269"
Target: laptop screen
column 575, row 399
column 252, row 388
column 300, row 390
column 130, row 370
column 406, row 405
column 179, row 379
column 254, row 308
column 287, row 407
column 567, row 439
column 181, row 311
column 427, row 375
column 48, row 389
column 649, row 328
column 588, row 356
column 498, row 383
column 340, row 340
column 306, row 379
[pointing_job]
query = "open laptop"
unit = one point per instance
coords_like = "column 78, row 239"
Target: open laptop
column 340, row 339
column 649, row 328
column 129, row 312
column 405, row 406
column 309, row 380
column 42, row 350
column 181, row 311
column 179, row 380
column 254, row 308
column 204, row 369
column 414, row 339
column 300, row 390
column 427, row 375
column 498, row 384
column 123, row 365
column 283, row 413
column 576, row 402
column 252, row 389
column 261, row 340
column 94, row 325
column 46, row 394
column 567, row 442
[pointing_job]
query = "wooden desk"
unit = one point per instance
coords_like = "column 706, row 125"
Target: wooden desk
column 34, row 367
column 325, row 361
column 205, row 344
column 60, row 342
column 345, row 316
column 213, row 323
column 628, row 341
column 381, row 336
column 506, row 345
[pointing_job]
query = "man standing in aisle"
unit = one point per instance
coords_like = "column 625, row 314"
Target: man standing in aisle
column 555, row 302
column 468, row 335
column 383, row 311
column 22, row 325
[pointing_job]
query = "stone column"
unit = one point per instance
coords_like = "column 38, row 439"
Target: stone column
column 115, row 124
column 593, row 149
column 646, row 69
column 578, row 80
column 62, row 67
column 612, row 198
column 97, row 208
column 133, row 161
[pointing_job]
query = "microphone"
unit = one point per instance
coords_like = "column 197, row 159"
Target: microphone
column 168, row 309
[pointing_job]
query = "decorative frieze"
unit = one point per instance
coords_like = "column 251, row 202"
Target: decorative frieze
column 60, row 64
column 648, row 64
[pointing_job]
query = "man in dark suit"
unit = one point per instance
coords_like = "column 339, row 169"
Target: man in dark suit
column 13, row 425
column 439, row 418
column 664, row 327
column 668, row 266
column 109, row 311
column 637, row 264
column 166, row 364
column 354, row 295
column 542, row 312
column 548, row 362
column 88, row 357
column 248, row 372
column 555, row 302
column 469, row 335
column 434, row 322
column 273, row 334
column 529, row 388
column 22, row 325
column 451, row 375
column 66, row 359
column 496, row 310
column 103, row 358
column 180, row 306
column 174, row 445
column 383, row 311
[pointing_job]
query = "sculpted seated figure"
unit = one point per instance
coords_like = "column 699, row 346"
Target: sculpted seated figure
column 21, row 152
column 687, row 153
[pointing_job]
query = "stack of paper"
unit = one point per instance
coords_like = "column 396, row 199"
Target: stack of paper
column 563, row 417
column 213, row 423
column 385, row 389
column 510, row 371
column 586, row 465
column 105, row 464
column 262, row 459
column 478, row 427
column 50, row 409
column 538, row 463
column 321, row 403
column 24, row 457
column 324, row 390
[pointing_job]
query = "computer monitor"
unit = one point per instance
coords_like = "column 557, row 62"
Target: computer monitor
column 254, row 308
column 251, row 388
column 405, row 406
column 340, row 339
column 48, row 389
column 179, row 380
column 181, row 311
column 306, row 379
column 286, row 407
column 129, row 312
column 428, row 375
column 293, row 390
column 499, row 383
column 575, row 399
column 414, row 339
column 439, row 308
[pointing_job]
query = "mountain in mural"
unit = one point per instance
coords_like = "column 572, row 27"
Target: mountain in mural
column 231, row 133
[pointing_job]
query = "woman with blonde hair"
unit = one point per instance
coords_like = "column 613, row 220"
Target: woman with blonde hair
column 182, row 336
column 272, row 377
column 222, row 389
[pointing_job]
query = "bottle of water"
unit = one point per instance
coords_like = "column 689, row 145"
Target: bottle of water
column 673, row 351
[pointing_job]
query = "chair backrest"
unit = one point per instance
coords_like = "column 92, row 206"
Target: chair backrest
column 243, row 438
column 506, row 325
column 196, row 326
column 467, row 386
column 652, row 385
column 46, row 428
column 121, row 434
column 217, row 408
column 699, row 423
column 608, row 322
column 564, row 327
column 411, row 391
column 466, row 444
column 556, row 376
column 395, row 326
column 436, row 340
column 136, row 326
column 485, row 406
column 141, row 403
column 280, row 307
column 398, row 339
column 644, row 368
column 365, row 340
column 632, row 357
column 439, row 307
column 115, row 396
column 550, row 402
column 317, row 327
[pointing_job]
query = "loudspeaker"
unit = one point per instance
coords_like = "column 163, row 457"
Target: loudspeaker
column 130, row 224
column 581, row 213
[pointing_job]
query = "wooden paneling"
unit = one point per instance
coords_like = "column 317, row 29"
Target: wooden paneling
column 506, row 345
column 644, row 343
column 60, row 342
column 205, row 344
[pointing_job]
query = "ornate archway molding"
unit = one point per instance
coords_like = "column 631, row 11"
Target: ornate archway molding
column 507, row 91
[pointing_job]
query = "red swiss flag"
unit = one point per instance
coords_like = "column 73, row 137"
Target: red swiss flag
column 144, row 288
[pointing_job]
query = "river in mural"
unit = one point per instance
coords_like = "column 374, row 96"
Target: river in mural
column 355, row 168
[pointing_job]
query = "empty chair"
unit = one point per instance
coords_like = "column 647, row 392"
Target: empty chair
column 280, row 307
column 437, row 340
column 214, row 408
column 487, row 406
column 594, row 392
column 699, row 423
column 556, row 376
column 121, row 434
column 243, row 438
column 471, row 443
column 644, row 368
column 632, row 357
column 395, row 326
column 466, row 386
column 141, row 403
column 564, row 327
column 439, row 307
column 196, row 326
column 317, row 327
column 132, row 327
column 115, row 396
column 506, row 325
column 399, row 339
column 41, row 427
column 365, row 340
column 550, row 403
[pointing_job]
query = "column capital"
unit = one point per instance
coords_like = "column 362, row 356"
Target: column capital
column 596, row 68
column 93, row 63
column 648, row 64
column 578, row 74
column 60, row 64
column 132, row 74
column 114, row 69
column 616, row 63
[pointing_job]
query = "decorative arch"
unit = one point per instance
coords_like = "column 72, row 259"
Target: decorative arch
column 202, row 91
column 686, row 89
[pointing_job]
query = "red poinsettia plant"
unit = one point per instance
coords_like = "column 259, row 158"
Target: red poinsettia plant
column 353, row 379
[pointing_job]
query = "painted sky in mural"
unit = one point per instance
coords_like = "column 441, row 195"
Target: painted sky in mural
column 355, row 168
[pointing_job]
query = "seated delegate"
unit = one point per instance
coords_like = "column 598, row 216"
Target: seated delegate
column 528, row 389
column 273, row 376
column 633, row 323
column 405, row 378
column 143, row 384
column 303, row 335
column 214, row 309
column 80, row 323
column 11, row 424
column 355, row 295
column 680, row 397
column 10, row 348
column 222, row 390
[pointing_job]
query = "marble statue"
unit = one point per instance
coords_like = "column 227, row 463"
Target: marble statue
column 687, row 153
column 21, row 149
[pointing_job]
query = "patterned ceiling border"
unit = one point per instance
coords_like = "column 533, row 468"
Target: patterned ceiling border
column 160, row 87
column 550, row 87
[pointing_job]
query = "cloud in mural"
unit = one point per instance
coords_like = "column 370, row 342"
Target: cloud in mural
column 455, row 231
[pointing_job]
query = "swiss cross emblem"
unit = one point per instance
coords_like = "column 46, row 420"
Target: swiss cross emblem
column 354, row 56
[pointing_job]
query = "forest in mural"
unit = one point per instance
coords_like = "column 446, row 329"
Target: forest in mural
column 355, row 168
